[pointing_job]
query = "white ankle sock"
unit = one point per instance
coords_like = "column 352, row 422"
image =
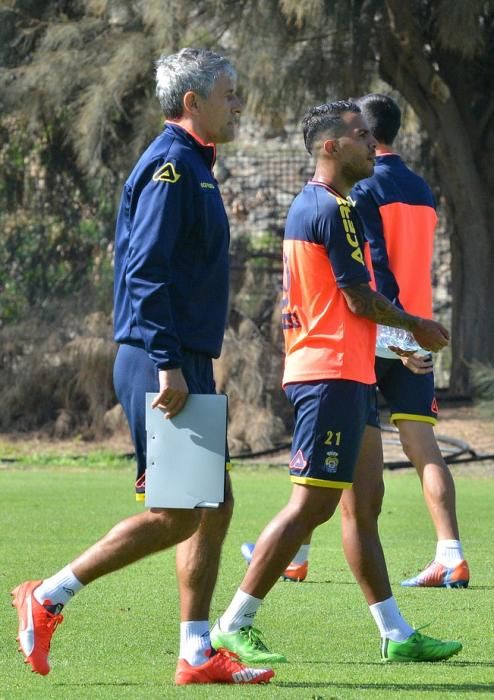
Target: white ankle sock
column 194, row 641
column 58, row 589
column 240, row 612
column 302, row 555
column 389, row 620
column 449, row 552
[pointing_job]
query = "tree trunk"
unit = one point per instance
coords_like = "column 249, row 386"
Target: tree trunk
column 472, row 253
column 405, row 65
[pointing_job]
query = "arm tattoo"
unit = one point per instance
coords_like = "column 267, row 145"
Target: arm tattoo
column 363, row 301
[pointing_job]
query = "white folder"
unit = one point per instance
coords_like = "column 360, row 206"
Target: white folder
column 185, row 465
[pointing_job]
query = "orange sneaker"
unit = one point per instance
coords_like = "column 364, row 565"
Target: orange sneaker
column 222, row 667
column 36, row 626
column 293, row 572
column 436, row 575
column 296, row 572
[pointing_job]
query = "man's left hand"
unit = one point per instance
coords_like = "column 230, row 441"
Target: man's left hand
column 418, row 364
column 173, row 392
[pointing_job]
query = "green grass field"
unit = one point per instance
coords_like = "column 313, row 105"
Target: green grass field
column 120, row 636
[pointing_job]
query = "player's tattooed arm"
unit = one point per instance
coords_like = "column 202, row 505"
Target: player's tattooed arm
column 363, row 301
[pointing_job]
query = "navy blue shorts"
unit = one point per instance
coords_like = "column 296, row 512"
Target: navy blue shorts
column 134, row 373
column 330, row 418
column 409, row 396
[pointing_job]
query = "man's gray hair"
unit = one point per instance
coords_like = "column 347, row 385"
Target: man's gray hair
column 189, row 69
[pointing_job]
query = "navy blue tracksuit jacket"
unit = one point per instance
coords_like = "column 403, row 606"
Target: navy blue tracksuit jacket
column 171, row 252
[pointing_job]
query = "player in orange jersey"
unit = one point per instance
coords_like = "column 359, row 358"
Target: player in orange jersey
column 329, row 312
column 398, row 213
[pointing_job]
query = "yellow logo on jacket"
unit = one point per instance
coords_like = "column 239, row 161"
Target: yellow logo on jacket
column 166, row 173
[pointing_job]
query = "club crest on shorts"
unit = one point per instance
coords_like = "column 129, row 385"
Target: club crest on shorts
column 166, row 173
column 331, row 462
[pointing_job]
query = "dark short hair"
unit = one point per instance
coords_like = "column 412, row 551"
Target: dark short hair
column 326, row 117
column 382, row 115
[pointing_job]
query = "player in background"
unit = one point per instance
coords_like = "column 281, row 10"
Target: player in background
column 397, row 209
column 329, row 312
column 171, row 297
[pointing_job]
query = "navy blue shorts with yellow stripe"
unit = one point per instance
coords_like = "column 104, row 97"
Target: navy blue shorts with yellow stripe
column 134, row 374
column 330, row 418
column 409, row 396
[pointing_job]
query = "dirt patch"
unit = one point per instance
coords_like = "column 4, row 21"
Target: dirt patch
column 467, row 423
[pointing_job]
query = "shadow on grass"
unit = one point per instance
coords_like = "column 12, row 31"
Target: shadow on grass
column 382, row 664
column 354, row 583
column 421, row 687
column 105, row 684
column 481, row 588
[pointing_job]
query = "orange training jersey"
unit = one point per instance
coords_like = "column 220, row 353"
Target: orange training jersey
column 398, row 213
column 323, row 251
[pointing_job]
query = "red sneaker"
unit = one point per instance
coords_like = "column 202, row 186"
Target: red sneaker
column 296, row 572
column 222, row 667
column 36, row 626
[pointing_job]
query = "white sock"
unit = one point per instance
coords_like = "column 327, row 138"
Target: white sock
column 240, row 612
column 194, row 642
column 449, row 552
column 389, row 620
column 58, row 589
column 302, row 555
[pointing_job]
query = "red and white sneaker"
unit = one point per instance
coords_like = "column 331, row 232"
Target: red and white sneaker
column 435, row 575
column 221, row 667
column 36, row 626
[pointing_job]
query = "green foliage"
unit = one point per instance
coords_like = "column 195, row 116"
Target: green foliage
column 119, row 637
column 44, row 260
column 76, row 80
column 56, row 229
column 265, row 242
column 92, row 69
column 39, row 262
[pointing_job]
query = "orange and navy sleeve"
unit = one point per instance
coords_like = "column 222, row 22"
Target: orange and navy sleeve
column 367, row 210
column 340, row 232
